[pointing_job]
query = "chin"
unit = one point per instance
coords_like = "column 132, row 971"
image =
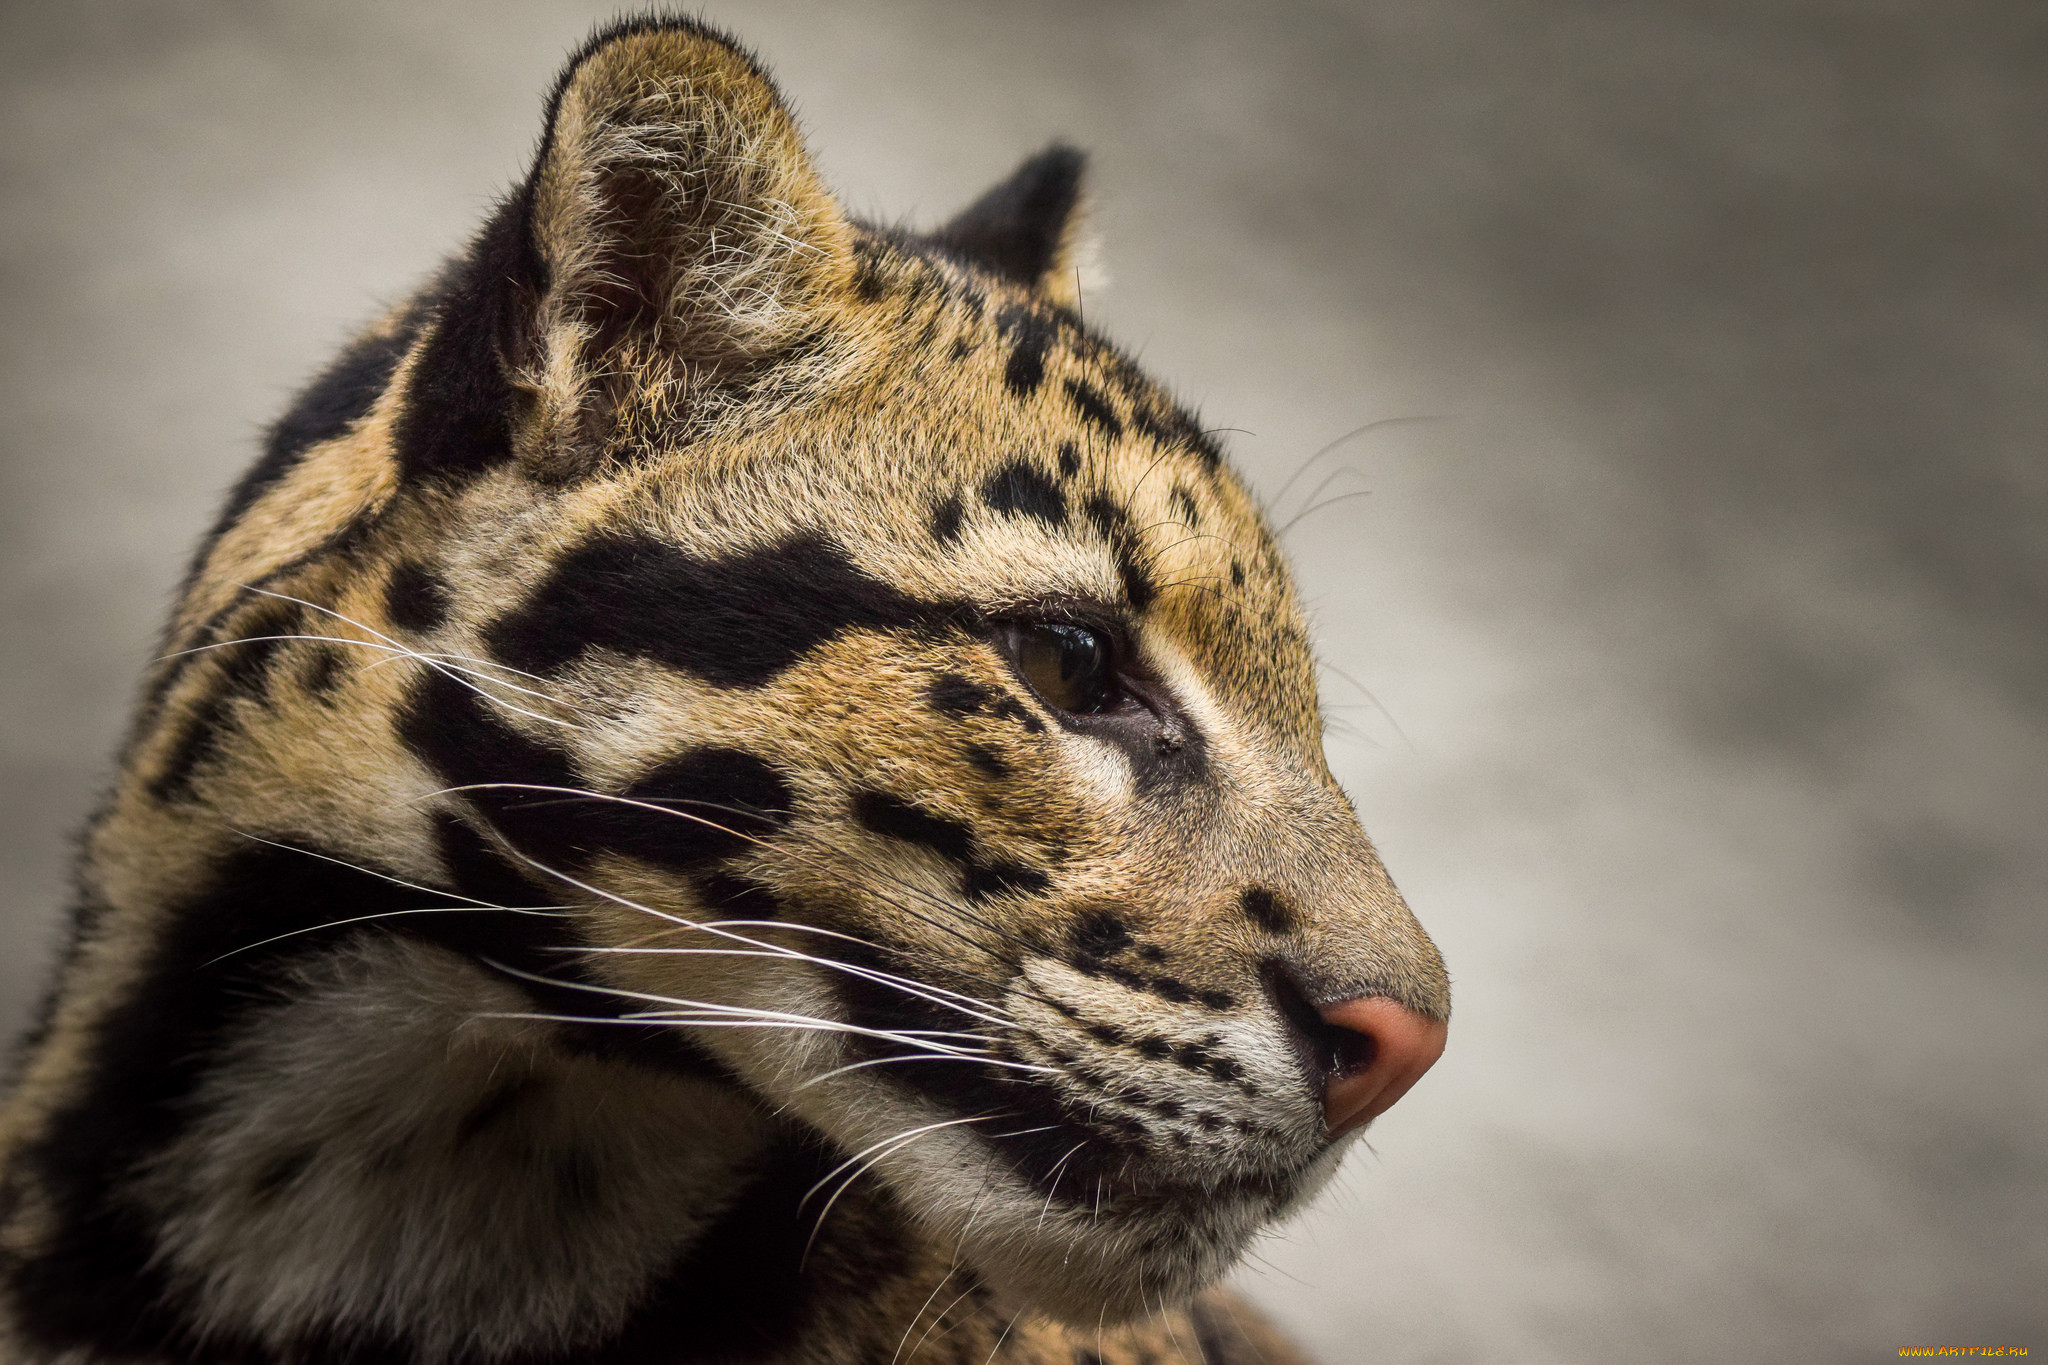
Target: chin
column 1153, row 1241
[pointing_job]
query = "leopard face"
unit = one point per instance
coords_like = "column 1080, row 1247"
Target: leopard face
column 853, row 669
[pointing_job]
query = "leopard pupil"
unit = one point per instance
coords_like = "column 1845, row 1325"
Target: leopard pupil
column 1067, row 665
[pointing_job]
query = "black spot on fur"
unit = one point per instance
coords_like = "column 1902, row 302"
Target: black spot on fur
column 899, row 819
column 1100, row 933
column 1108, row 517
column 723, row 800
column 471, row 745
column 962, row 348
column 531, row 944
column 1266, row 910
column 1094, row 407
column 1031, row 333
column 342, row 395
column 744, row 1292
column 1190, row 510
column 984, row 880
column 1070, row 460
column 198, row 741
column 1114, row 525
column 1015, row 229
column 707, row 804
column 946, row 519
column 734, row 622
column 1173, row 429
column 987, row 760
column 1009, row 708
column 326, row 666
column 1038, row 1131
column 416, row 599
column 731, row 895
column 1236, row 574
column 456, row 422
column 1091, row 956
column 870, row 282
column 958, row 696
column 244, row 663
column 1021, row 489
column 1139, row 589
column 241, row 667
column 980, row 879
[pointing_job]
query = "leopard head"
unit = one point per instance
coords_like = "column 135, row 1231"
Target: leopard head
column 889, row 690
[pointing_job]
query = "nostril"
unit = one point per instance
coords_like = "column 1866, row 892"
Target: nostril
column 1329, row 1050
column 1362, row 1054
column 1405, row 1043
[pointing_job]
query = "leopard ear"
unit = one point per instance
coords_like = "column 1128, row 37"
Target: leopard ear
column 1026, row 229
column 676, row 234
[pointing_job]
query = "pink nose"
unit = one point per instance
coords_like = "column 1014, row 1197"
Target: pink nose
column 1394, row 1046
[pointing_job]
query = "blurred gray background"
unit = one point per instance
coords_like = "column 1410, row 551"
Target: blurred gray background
column 1703, row 623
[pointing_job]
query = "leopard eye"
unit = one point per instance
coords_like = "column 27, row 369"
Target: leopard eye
column 1069, row 666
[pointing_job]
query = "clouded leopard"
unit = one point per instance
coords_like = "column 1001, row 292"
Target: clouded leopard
column 735, row 785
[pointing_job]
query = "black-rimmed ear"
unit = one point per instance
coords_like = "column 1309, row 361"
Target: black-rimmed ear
column 1027, row 228
column 673, row 234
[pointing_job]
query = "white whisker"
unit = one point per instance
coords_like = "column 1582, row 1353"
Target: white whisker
column 892, row 1144
column 934, row 994
column 453, row 675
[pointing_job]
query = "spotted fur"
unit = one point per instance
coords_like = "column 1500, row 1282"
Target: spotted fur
column 589, row 880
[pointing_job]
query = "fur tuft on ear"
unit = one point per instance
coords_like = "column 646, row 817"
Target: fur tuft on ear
column 679, row 233
column 1026, row 229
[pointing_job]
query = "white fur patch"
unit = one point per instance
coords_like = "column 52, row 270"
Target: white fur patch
column 364, row 1110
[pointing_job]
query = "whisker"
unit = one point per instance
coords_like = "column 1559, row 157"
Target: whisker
column 1187, row 539
column 546, row 912
column 762, row 1017
column 1366, row 692
column 1139, row 486
column 789, row 954
column 1317, row 507
column 887, row 1141
column 396, row 653
column 791, row 1025
column 909, row 987
column 740, row 834
column 451, row 674
column 1197, row 583
column 798, row 926
column 1008, row 1328
column 1352, row 434
column 368, row 871
column 912, row 1324
column 893, row 1144
column 1329, row 479
column 1054, row 1188
column 1002, row 1062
